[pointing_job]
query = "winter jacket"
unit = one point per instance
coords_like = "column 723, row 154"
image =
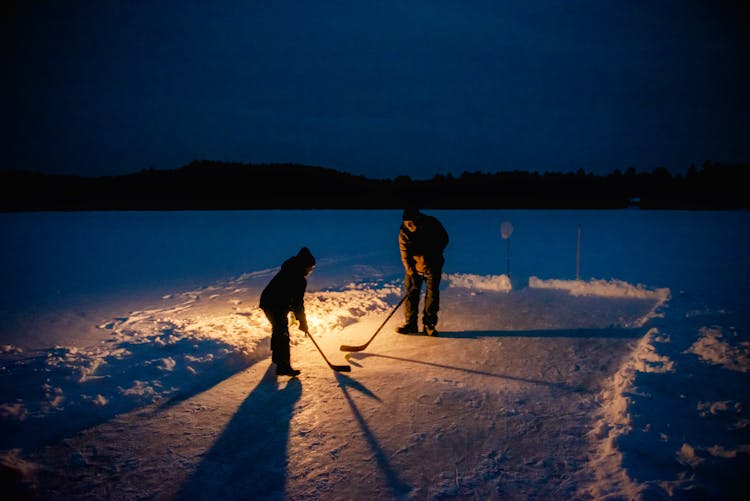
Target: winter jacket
column 429, row 240
column 285, row 292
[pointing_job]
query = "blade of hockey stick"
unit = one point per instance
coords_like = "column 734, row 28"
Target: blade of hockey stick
column 338, row 368
column 346, row 347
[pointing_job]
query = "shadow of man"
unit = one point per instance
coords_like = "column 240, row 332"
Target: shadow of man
column 603, row 333
column 397, row 487
column 249, row 459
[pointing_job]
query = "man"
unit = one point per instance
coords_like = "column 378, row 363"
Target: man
column 422, row 240
column 284, row 293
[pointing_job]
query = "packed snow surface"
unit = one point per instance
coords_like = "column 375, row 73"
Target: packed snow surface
column 134, row 361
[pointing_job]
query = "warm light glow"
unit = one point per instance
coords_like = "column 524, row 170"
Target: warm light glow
column 320, row 322
column 332, row 311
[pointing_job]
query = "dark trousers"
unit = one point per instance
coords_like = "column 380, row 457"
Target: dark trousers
column 413, row 283
column 279, row 336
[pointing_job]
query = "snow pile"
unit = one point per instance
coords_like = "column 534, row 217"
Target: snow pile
column 150, row 359
column 614, row 420
column 603, row 288
column 674, row 418
column 712, row 346
column 330, row 311
column 495, row 283
column 609, row 289
column 192, row 340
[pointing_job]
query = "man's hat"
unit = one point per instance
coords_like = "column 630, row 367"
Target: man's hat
column 305, row 257
column 410, row 214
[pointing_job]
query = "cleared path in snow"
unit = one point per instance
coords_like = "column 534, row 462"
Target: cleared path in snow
column 499, row 406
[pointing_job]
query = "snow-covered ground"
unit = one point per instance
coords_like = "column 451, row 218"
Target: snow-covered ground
column 134, row 361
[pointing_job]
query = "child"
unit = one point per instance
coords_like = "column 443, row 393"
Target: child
column 284, row 293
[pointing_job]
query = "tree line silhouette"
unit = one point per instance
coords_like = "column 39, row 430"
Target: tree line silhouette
column 208, row 184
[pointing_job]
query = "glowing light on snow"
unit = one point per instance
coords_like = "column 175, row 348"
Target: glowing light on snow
column 321, row 321
column 331, row 311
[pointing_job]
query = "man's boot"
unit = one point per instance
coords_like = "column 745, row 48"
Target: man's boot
column 408, row 328
column 430, row 330
column 286, row 370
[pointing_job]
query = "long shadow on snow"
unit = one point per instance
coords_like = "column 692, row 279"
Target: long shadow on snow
column 604, row 333
column 398, row 487
column 611, row 333
column 362, row 356
column 249, row 459
column 112, row 379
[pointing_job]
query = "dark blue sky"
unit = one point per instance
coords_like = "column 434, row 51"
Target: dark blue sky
column 378, row 88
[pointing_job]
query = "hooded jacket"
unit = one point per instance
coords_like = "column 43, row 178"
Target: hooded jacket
column 429, row 240
column 285, row 292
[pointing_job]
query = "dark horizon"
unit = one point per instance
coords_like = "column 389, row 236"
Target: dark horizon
column 379, row 89
column 426, row 176
column 210, row 185
column 603, row 171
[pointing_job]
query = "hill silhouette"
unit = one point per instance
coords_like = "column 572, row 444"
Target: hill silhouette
column 205, row 185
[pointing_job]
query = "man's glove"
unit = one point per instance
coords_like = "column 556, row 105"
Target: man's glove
column 303, row 326
column 420, row 266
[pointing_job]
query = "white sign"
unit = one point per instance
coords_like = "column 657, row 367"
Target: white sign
column 506, row 229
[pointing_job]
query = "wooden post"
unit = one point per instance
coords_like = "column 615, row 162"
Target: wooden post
column 507, row 253
column 578, row 255
column 506, row 230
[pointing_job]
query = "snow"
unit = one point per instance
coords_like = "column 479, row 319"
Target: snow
column 134, row 361
column 711, row 347
column 479, row 282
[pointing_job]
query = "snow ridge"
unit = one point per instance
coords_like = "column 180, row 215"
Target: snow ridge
column 609, row 288
column 614, row 421
column 604, row 288
column 496, row 283
column 712, row 346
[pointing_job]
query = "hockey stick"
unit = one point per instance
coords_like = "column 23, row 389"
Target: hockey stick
column 339, row 368
column 346, row 347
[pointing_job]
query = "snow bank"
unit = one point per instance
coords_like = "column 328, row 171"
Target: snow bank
column 673, row 419
column 610, row 289
column 495, row 283
column 714, row 347
column 604, row 288
column 332, row 310
column 614, row 420
column 188, row 342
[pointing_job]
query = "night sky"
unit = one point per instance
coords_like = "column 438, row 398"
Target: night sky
column 380, row 88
